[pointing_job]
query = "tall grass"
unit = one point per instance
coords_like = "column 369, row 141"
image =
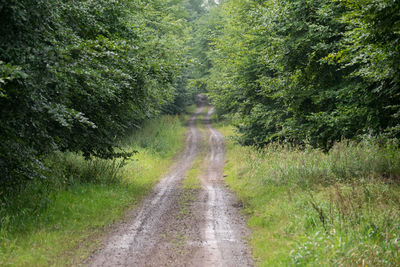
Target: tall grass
column 59, row 220
column 346, row 162
column 157, row 136
column 308, row 207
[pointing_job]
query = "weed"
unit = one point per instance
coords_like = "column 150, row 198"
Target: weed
column 309, row 207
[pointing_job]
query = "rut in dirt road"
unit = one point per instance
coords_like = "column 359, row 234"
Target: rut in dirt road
column 134, row 238
column 211, row 233
column 224, row 229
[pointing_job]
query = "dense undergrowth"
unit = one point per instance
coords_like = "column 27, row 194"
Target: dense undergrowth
column 59, row 220
column 308, row 207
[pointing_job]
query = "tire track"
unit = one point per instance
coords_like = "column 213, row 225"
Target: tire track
column 131, row 241
column 213, row 233
column 224, row 228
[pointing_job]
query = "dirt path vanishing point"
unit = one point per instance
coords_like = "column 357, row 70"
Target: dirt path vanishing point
column 210, row 231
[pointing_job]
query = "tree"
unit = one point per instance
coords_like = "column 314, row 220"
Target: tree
column 76, row 75
column 306, row 71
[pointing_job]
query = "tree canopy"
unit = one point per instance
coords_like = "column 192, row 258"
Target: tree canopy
column 312, row 71
column 77, row 74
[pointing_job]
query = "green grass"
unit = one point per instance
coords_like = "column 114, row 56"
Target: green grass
column 191, row 109
column 310, row 208
column 192, row 181
column 191, row 184
column 157, row 137
column 61, row 220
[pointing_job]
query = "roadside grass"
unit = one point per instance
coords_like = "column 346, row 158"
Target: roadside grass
column 191, row 109
column 309, row 208
column 61, row 220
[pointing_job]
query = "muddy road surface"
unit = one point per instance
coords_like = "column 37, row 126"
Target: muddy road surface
column 179, row 227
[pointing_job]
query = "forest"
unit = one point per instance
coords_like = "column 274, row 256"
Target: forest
column 87, row 85
column 306, row 72
column 76, row 75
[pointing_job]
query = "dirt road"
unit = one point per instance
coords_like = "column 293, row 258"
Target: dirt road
column 210, row 231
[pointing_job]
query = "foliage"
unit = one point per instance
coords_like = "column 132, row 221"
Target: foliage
column 309, row 208
column 77, row 75
column 306, row 72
